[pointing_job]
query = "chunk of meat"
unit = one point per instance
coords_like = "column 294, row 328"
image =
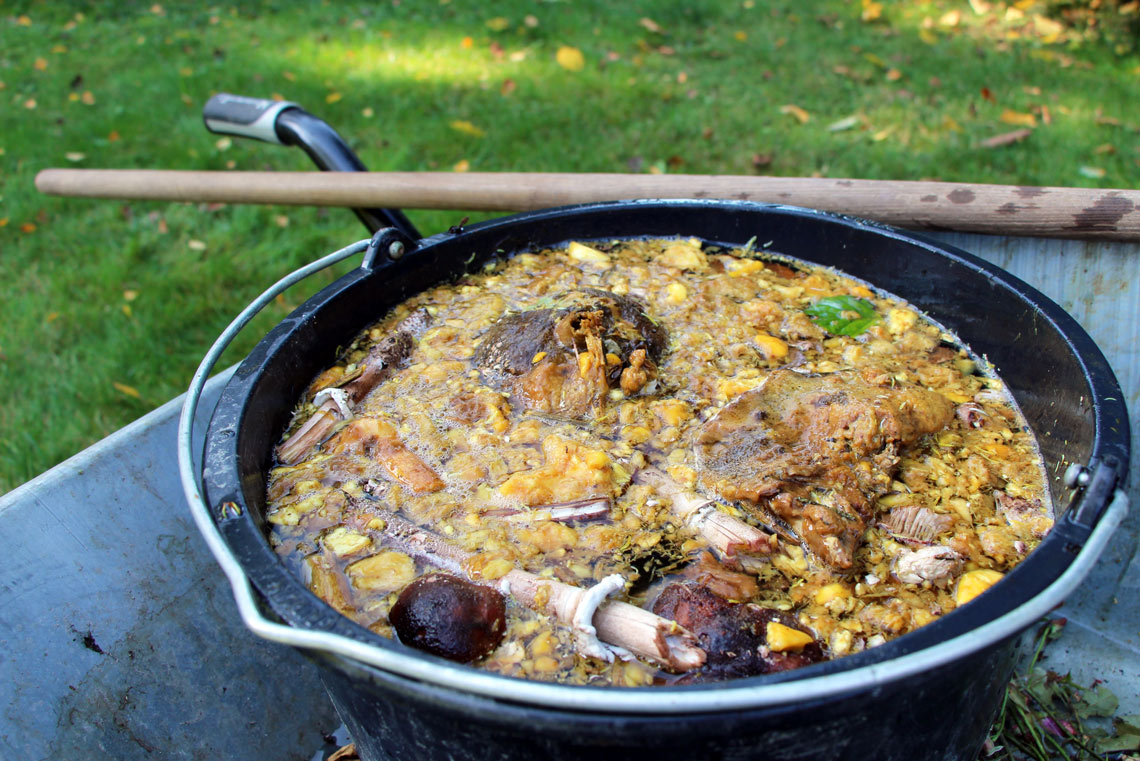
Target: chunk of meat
column 563, row 360
column 817, row 451
column 379, row 440
column 934, row 564
column 735, row 636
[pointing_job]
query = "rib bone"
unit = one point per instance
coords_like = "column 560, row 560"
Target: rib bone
column 335, row 405
column 621, row 629
column 734, row 540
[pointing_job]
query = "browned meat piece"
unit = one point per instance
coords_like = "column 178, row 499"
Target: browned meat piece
column 816, row 451
column 379, row 440
column 450, row 617
column 563, row 360
column 736, row 636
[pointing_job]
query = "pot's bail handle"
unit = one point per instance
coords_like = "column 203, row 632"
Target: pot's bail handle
column 286, row 123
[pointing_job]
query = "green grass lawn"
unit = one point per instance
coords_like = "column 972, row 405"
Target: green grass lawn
column 108, row 306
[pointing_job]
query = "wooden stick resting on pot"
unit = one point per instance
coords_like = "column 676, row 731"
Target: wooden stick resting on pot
column 335, row 404
column 625, row 628
column 735, row 541
column 923, row 205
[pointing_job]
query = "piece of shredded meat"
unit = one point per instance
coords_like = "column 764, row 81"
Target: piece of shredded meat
column 563, row 360
column 817, row 451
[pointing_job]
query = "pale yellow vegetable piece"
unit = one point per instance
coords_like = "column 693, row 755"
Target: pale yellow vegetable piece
column 771, row 347
column 973, row 583
column 784, row 638
column 829, row 592
column 387, row 571
column 582, row 253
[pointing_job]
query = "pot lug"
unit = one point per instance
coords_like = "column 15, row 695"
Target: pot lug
column 387, row 245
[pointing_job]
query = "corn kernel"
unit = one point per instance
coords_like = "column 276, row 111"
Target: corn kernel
column 783, row 638
column 973, row 583
column 862, row 292
column 676, row 293
column 612, row 359
column 597, row 459
column 586, row 255
column 826, row 594
column 537, row 358
column 771, row 347
column 956, row 397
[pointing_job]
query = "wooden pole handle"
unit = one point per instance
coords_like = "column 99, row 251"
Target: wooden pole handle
column 1112, row 214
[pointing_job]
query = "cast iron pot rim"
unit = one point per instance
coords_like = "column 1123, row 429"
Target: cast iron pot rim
column 410, row 664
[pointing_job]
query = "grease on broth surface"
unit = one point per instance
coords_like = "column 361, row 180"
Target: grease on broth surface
column 773, row 463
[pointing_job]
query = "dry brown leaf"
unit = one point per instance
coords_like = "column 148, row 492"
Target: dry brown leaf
column 88, row 98
column 281, row 220
column 467, row 128
column 30, row 103
column 650, row 24
column 28, row 227
column 803, row 117
column 570, row 58
column 1018, row 118
column 123, row 388
column 1006, row 138
column 507, row 87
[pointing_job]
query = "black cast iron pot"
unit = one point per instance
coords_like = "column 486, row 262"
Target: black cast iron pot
column 929, row 694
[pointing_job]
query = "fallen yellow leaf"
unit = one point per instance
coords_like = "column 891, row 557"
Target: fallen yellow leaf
column 803, row 117
column 281, row 220
column 367, row 112
column 461, row 166
column 75, row 156
column 126, row 309
column 467, row 128
column 123, row 388
column 927, row 36
column 1017, row 118
column 157, row 10
column 88, row 98
column 741, row 36
column 570, row 58
column 23, row 21
column 196, row 245
column 28, row 227
column 650, row 24
column 871, row 11
column 467, row 43
column 130, row 295
column 333, row 97
column 498, row 24
column 51, row 317
column 30, row 103
column 223, row 144
column 40, row 64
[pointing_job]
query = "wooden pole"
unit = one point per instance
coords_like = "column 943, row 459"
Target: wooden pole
column 1109, row 214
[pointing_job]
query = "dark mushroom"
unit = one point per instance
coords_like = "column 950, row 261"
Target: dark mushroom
column 447, row 616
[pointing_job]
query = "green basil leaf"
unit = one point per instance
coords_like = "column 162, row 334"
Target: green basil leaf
column 843, row 315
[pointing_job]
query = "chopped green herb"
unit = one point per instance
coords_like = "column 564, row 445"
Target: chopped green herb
column 843, row 315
